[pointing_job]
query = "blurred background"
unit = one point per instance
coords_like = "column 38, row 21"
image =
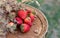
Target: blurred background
column 51, row 9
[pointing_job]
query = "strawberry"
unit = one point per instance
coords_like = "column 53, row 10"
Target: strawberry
column 11, row 23
column 11, row 27
column 28, row 21
column 22, row 14
column 32, row 16
column 24, row 28
column 18, row 20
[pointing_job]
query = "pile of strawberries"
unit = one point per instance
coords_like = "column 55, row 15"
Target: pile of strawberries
column 25, row 19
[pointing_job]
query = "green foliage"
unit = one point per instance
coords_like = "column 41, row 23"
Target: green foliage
column 19, row 0
column 40, row 1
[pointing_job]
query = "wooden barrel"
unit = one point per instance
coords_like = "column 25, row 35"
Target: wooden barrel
column 39, row 28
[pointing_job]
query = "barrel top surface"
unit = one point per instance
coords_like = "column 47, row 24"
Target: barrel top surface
column 40, row 24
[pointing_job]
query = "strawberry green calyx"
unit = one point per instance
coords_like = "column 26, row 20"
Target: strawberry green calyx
column 24, row 28
column 34, row 13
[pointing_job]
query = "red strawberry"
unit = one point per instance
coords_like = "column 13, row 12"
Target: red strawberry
column 28, row 21
column 22, row 14
column 19, row 20
column 32, row 16
column 24, row 28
